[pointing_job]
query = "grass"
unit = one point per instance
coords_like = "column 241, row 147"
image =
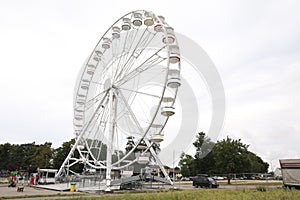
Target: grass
column 201, row 194
column 206, row 194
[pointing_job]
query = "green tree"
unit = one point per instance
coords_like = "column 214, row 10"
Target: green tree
column 25, row 156
column 224, row 157
column 256, row 164
column 5, row 156
column 43, row 155
column 231, row 156
column 187, row 165
column 61, row 153
column 204, row 160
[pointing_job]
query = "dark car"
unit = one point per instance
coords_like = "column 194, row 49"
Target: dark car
column 204, row 181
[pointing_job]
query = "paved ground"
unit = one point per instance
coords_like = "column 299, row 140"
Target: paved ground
column 28, row 191
column 188, row 186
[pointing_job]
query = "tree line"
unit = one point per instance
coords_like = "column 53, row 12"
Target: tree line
column 223, row 157
column 227, row 156
column 29, row 157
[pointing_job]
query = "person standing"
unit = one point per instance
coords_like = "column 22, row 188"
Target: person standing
column 31, row 180
column 37, row 176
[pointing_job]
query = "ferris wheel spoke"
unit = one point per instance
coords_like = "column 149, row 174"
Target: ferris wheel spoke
column 136, row 52
column 130, row 112
column 98, row 136
column 139, row 71
column 126, row 58
column 152, row 61
column 91, row 102
column 94, row 114
column 127, row 55
column 136, row 123
column 138, row 92
column 145, row 42
column 130, row 40
column 94, row 143
column 98, row 122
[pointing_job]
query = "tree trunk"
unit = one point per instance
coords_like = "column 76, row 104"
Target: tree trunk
column 228, row 179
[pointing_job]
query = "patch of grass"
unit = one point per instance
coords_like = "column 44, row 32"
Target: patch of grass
column 261, row 188
column 205, row 194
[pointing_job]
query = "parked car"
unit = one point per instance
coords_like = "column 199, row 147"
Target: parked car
column 185, row 179
column 218, row 178
column 204, row 181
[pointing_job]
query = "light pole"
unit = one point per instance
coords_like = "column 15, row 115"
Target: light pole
column 174, row 165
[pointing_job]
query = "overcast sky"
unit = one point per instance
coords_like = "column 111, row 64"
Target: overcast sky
column 255, row 46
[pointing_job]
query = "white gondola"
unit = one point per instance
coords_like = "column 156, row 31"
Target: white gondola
column 148, row 21
column 143, row 159
column 80, row 102
column 156, row 126
column 167, row 111
column 158, row 27
column 92, row 66
column 170, row 37
column 161, row 18
column 81, row 95
column 91, row 69
column 137, row 19
column 174, row 54
column 141, row 146
column 98, row 55
column 80, row 146
column 174, row 72
column 106, row 43
column 78, row 117
column 157, row 137
column 116, row 32
column 85, row 86
column 168, row 99
column 159, row 24
column 79, row 110
column 174, row 82
column 126, row 24
column 78, row 125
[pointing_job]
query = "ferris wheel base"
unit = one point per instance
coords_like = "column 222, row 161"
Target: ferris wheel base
column 133, row 182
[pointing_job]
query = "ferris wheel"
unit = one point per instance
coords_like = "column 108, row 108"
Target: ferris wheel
column 125, row 94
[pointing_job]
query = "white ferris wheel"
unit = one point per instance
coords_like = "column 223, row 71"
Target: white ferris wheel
column 125, row 94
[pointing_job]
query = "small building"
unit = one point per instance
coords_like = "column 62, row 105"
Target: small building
column 290, row 169
column 47, row 176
